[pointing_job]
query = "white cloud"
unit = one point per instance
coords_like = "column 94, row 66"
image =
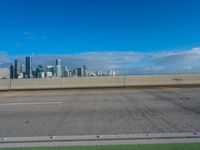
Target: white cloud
column 180, row 57
column 94, row 60
column 34, row 36
column 187, row 61
column 4, row 73
column 4, row 59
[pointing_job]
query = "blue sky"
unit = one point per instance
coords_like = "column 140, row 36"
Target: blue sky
column 108, row 28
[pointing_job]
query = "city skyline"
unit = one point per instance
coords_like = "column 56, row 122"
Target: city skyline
column 18, row 70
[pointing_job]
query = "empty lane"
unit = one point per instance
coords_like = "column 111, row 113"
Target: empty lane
column 94, row 112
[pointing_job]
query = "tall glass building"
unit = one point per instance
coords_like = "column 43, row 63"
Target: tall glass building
column 17, row 68
column 12, row 72
column 58, row 68
column 28, row 66
column 58, row 62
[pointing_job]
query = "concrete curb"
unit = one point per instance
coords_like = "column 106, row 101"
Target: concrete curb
column 153, row 138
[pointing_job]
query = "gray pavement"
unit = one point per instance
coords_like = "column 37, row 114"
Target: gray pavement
column 97, row 112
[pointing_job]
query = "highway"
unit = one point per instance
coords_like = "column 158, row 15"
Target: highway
column 100, row 111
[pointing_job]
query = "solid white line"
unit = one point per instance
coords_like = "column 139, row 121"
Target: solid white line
column 95, row 143
column 46, row 141
column 39, row 103
column 101, row 137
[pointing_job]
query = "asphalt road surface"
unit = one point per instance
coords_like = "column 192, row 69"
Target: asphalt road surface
column 94, row 112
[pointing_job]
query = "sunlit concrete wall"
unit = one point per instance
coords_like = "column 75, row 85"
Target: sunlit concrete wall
column 5, row 84
column 87, row 82
column 151, row 80
column 92, row 82
column 17, row 84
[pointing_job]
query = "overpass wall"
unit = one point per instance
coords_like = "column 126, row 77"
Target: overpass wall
column 19, row 84
column 153, row 80
column 4, row 85
column 91, row 82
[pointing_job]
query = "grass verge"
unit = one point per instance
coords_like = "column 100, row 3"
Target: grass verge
column 191, row 146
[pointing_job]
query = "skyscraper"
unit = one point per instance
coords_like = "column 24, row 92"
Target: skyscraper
column 39, row 71
column 66, row 72
column 12, row 72
column 80, row 72
column 58, row 62
column 58, row 68
column 75, row 72
column 28, row 66
column 85, row 71
column 17, row 68
column 49, row 71
column 23, row 69
column 111, row 72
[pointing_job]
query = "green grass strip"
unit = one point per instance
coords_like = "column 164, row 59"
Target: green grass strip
column 192, row 146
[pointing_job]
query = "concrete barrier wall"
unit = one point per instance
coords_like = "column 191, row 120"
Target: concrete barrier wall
column 17, row 84
column 92, row 82
column 5, row 84
column 54, row 83
column 174, row 79
column 87, row 82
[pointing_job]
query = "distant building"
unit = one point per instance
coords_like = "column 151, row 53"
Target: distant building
column 58, row 68
column 12, row 72
column 82, row 72
column 23, row 70
column 49, row 74
column 17, row 68
column 58, row 71
column 99, row 73
column 41, row 75
column 21, row 75
column 58, row 62
column 85, row 71
column 50, row 71
column 91, row 73
column 75, row 72
column 66, row 72
column 111, row 73
column 33, row 75
column 79, row 72
column 70, row 73
column 39, row 71
column 29, row 67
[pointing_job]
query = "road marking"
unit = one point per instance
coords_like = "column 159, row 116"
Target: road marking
column 39, row 103
column 47, row 141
